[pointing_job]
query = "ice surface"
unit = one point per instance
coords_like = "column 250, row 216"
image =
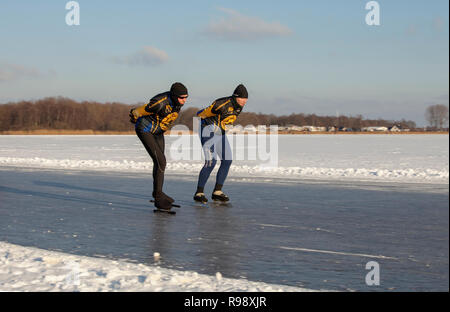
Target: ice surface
column 328, row 226
column 307, row 234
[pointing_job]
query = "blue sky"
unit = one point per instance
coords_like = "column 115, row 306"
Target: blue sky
column 293, row 56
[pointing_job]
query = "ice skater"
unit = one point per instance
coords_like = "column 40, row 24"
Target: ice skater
column 151, row 121
column 214, row 120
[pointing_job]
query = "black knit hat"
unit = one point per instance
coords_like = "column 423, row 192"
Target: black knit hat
column 178, row 89
column 241, row 92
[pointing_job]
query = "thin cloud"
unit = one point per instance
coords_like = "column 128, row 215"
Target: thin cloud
column 147, row 56
column 11, row 72
column 236, row 26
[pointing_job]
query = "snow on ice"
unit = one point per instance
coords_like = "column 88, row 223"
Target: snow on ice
column 33, row 269
column 375, row 158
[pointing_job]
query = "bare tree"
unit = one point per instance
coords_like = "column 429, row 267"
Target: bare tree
column 437, row 115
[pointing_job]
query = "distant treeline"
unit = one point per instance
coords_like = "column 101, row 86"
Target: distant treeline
column 66, row 114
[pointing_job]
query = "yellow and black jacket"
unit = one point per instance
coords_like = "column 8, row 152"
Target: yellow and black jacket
column 222, row 112
column 157, row 116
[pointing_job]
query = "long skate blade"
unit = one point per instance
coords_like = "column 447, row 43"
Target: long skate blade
column 173, row 205
column 165, row 211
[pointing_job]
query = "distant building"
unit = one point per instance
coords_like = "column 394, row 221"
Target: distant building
column 314, row 129
column 261, row 128
column 344, row 129
column 397, row 128
column 295, row 128
column 250, row 129
column 375, row 129
column 238, row 129
column 235, row 129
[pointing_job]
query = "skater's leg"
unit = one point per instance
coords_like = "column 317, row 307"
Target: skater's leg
column 160, row 141
column 152, row 144
column 205, row 173
column 207, row 138
column 225, row 164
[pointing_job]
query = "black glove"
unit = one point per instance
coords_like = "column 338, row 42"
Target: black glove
column 133, row 117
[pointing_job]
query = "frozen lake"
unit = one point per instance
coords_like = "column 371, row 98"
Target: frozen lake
column 311, row 234
column 332, row 204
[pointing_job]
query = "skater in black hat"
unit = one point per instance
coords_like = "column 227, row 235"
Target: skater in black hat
column 151, row 121
column 214, row 119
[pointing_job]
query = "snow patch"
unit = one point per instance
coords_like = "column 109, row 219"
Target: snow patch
column 33, row 269
column 400, row 175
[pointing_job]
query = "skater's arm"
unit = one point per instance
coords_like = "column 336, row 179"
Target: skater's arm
column 153, row 107
column 227, row 121
column 222, row 110
column 207, row 112
column 214, row 109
